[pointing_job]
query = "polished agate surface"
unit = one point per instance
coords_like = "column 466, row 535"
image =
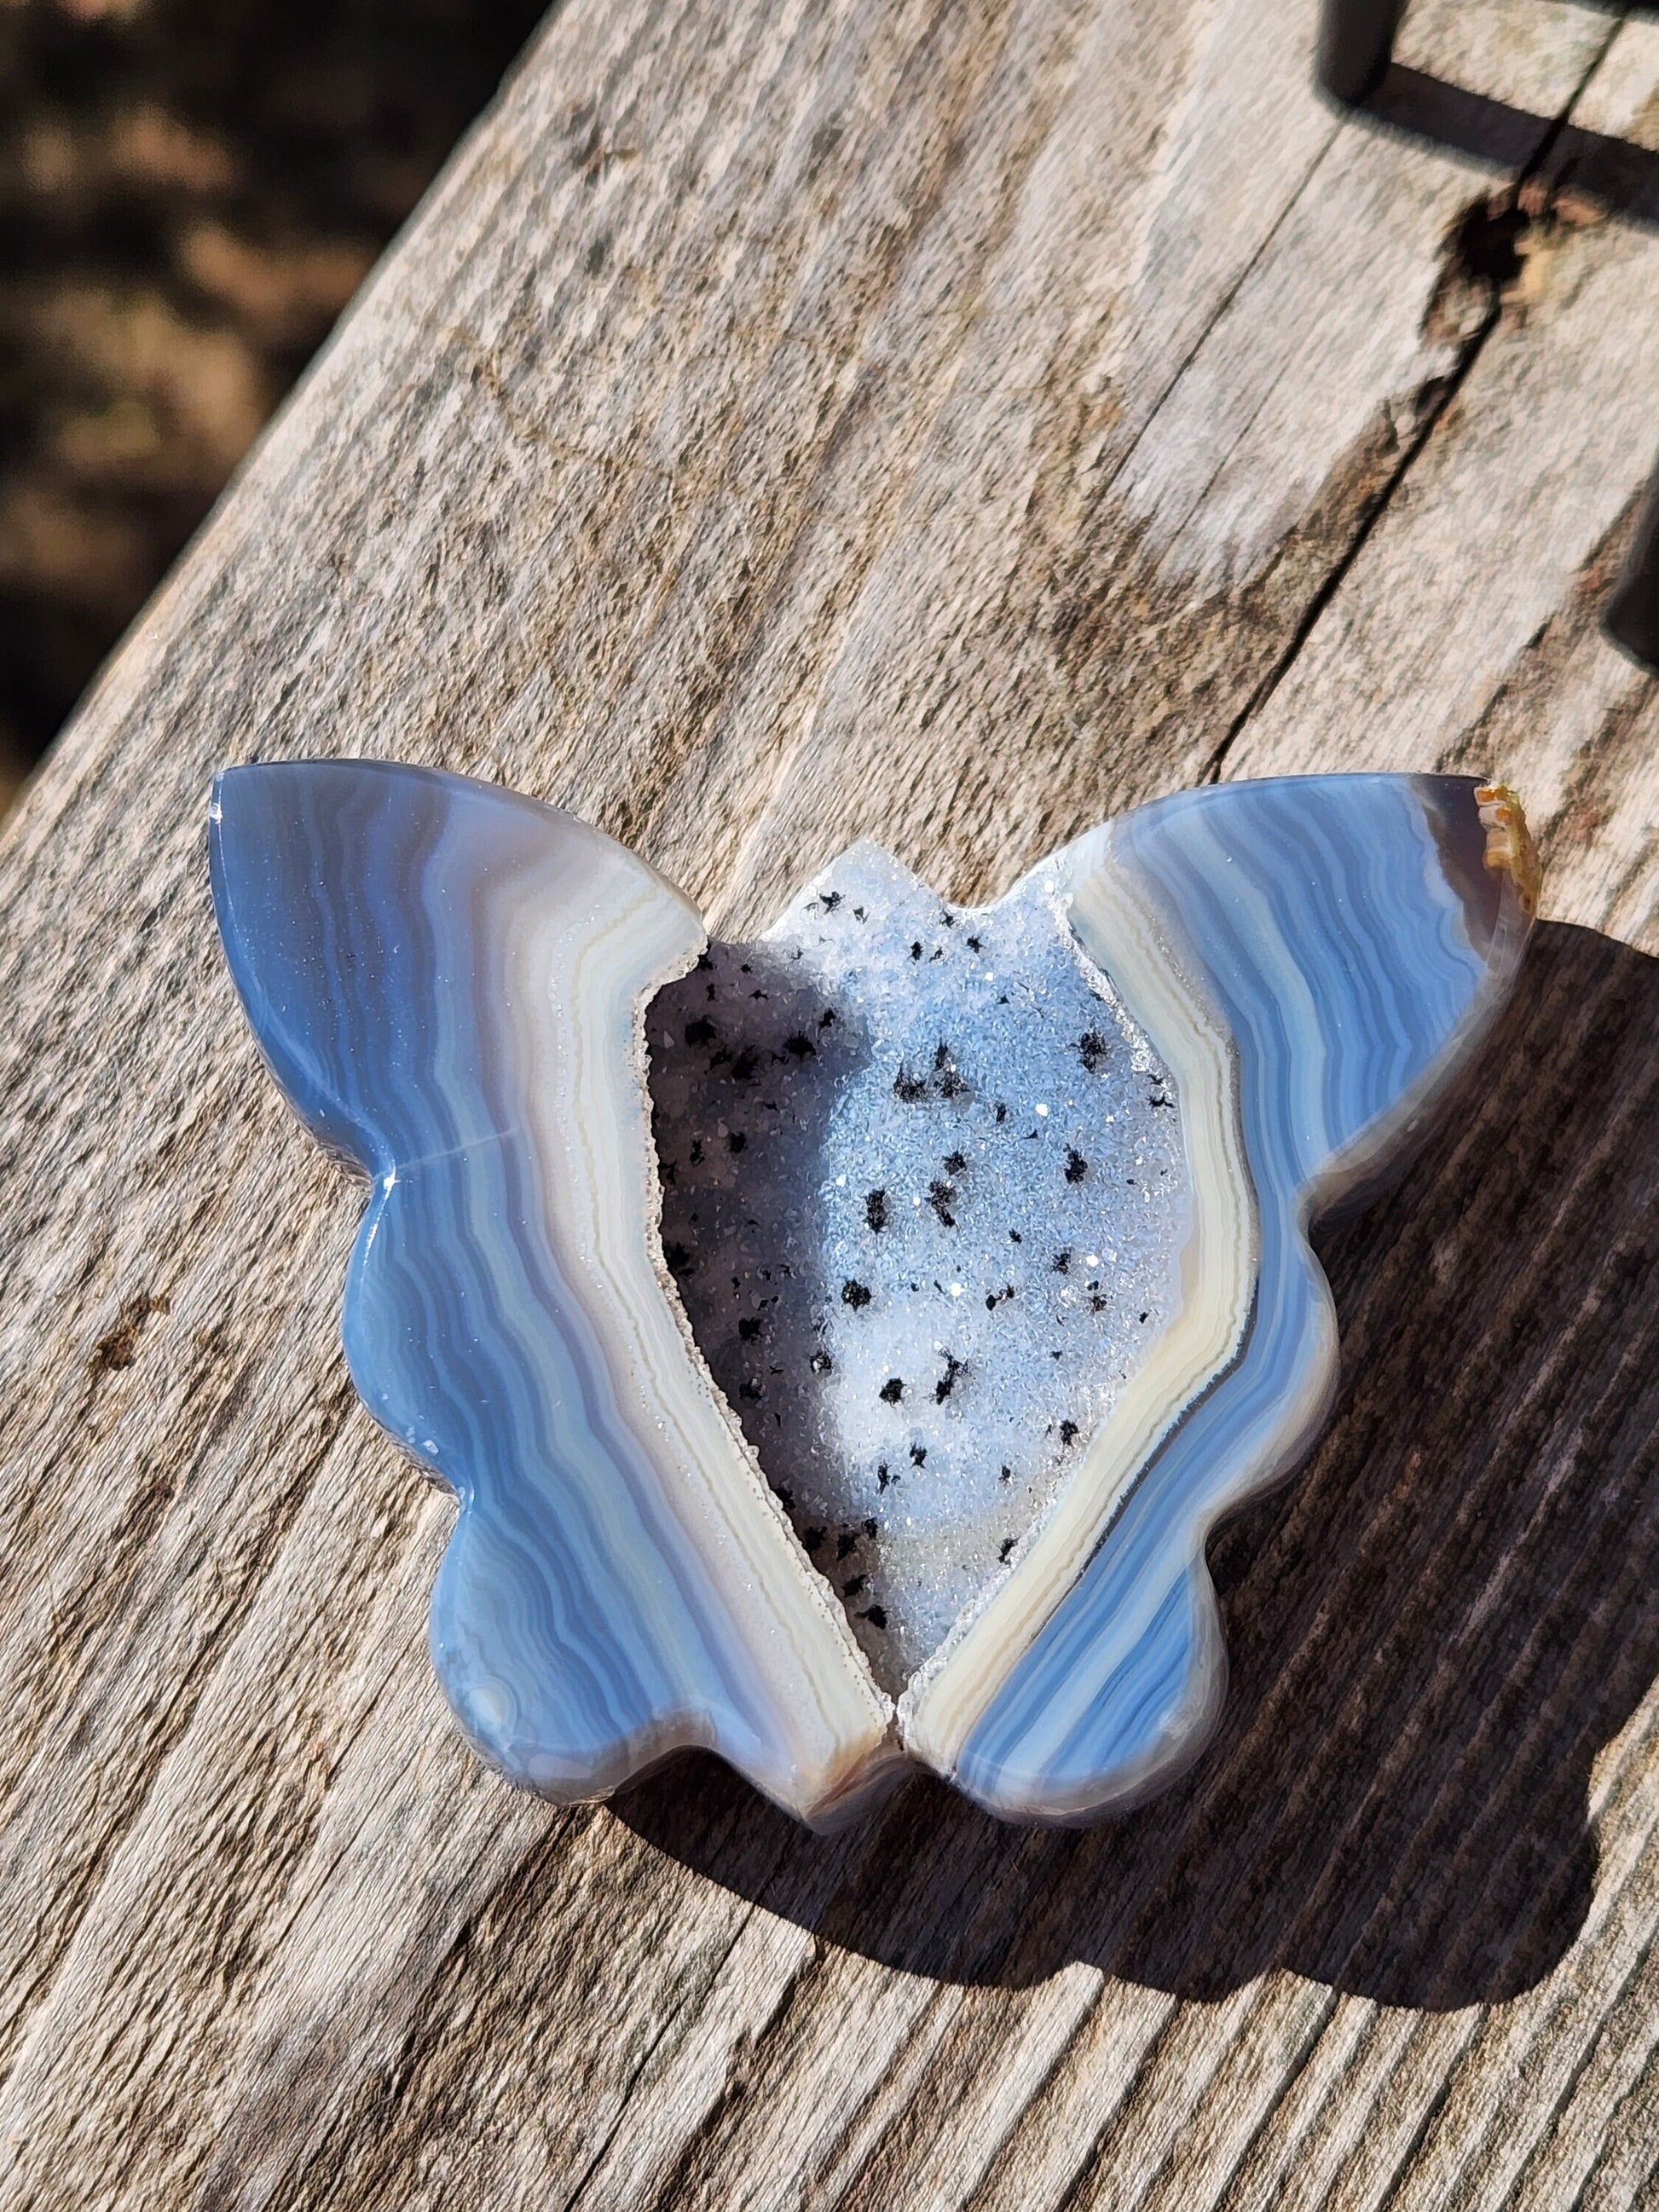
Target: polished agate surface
column 841, row 1343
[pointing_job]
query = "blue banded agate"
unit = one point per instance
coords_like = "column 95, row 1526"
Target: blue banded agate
column 1352, row 937
column 447, row 980
column 692, row 1511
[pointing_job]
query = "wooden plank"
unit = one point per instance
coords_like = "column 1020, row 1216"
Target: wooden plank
column 953, row 423
column 1466, row 627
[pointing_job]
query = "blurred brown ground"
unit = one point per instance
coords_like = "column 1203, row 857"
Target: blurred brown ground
column 190, row 192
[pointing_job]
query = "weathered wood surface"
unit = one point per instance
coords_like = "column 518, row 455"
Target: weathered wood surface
column 954, row 424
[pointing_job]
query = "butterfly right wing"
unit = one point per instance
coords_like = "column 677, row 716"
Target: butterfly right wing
column 1352, row 937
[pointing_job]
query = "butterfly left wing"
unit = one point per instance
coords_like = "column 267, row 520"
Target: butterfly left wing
column 448, row 982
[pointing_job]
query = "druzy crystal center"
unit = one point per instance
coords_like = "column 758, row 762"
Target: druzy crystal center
column 924, row 1198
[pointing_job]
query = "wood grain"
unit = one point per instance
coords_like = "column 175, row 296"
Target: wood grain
column 951, row 423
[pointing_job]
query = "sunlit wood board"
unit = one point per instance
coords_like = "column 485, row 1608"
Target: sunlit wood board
column 952, row 424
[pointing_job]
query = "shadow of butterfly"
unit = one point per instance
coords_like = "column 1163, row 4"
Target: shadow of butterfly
column 465, row 993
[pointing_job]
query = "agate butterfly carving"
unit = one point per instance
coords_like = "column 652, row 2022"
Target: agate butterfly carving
column 841, row 1345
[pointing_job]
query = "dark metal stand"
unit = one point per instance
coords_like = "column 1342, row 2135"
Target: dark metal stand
column 1356, row 44
column 1632, row 619
column 1356, row 39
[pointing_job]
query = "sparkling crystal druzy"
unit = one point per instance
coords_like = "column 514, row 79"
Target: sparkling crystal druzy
column 841, row 1345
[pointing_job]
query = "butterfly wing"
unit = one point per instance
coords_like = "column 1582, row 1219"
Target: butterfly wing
column 447, row 982
column 1353, row 936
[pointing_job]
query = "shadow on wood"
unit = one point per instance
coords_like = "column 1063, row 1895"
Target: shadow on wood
column 1434, row 1630
column 1616, row 173
column 1599, row 172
